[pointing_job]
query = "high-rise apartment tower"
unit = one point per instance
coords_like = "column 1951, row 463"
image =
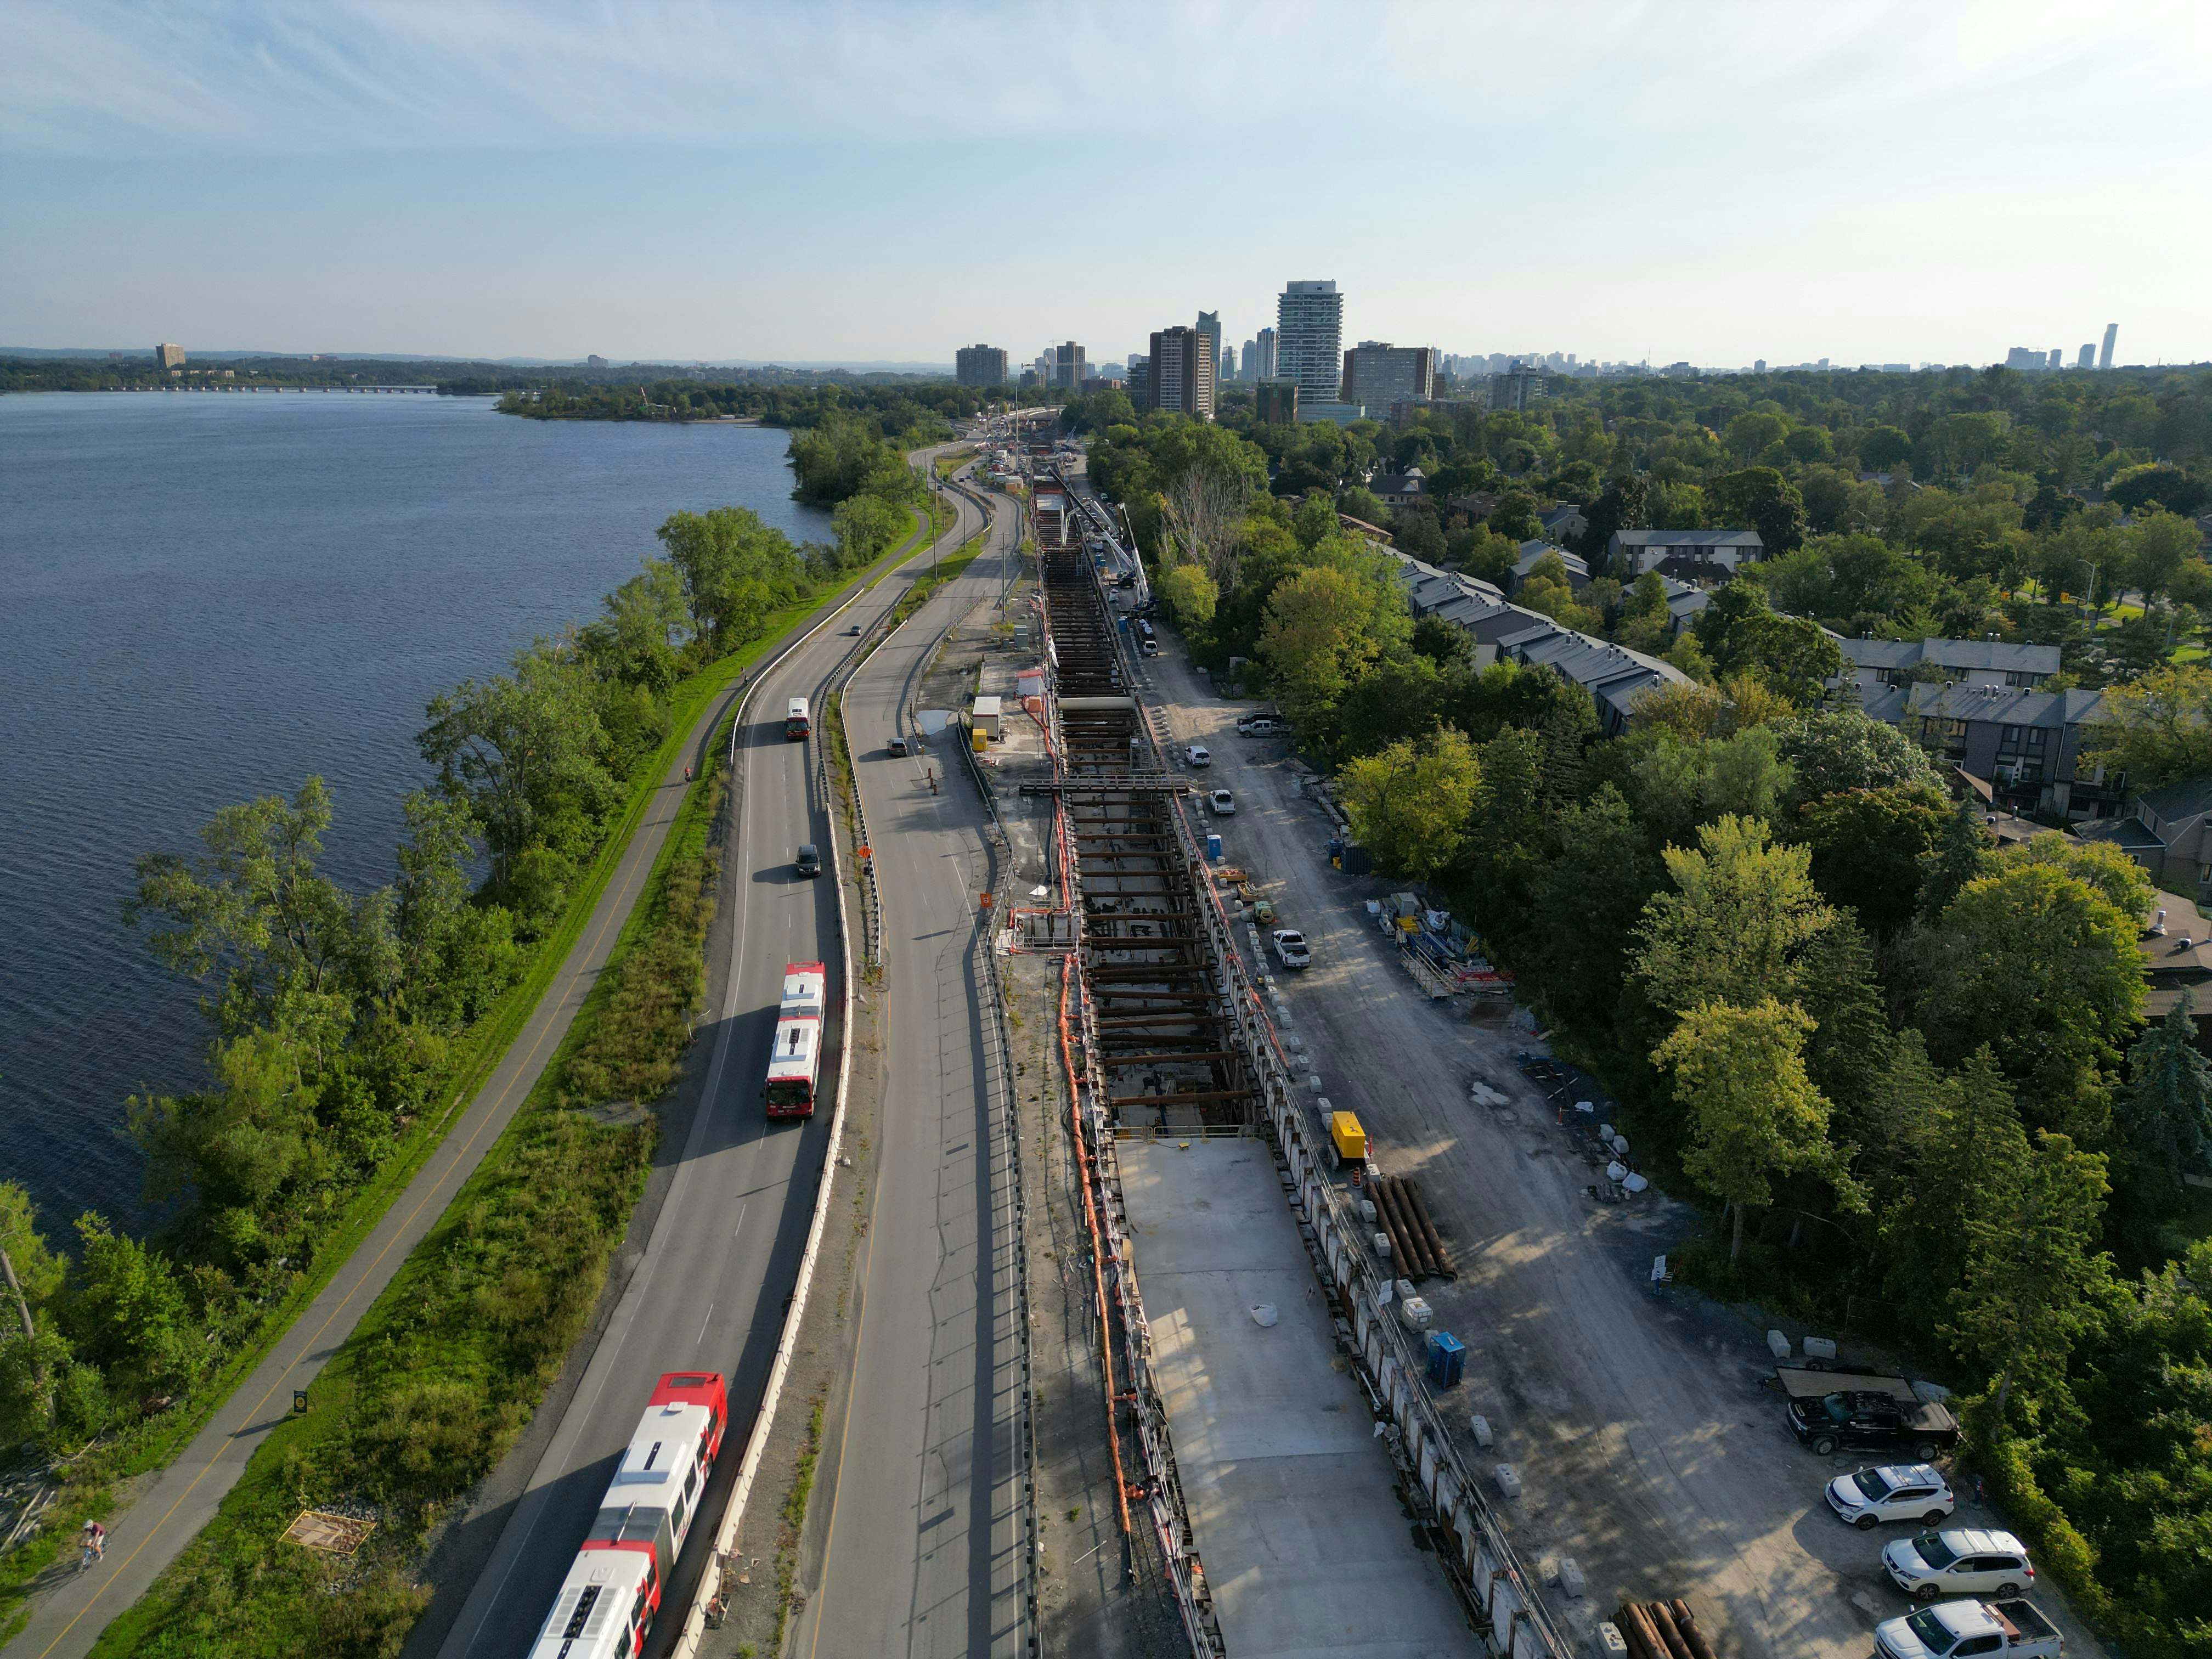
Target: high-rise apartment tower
column 1069, row 367
column 1182, row 372
column 981, row 365
column 1309, row 339
column 1209, row 324
column 1259, row 357
column 2111, row 333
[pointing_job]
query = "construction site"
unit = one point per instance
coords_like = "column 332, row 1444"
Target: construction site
column 1273, row 1379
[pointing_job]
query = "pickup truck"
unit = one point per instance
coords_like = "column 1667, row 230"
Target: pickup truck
column 1970, row 1630
column 1290, row 947
column 1863, row 1418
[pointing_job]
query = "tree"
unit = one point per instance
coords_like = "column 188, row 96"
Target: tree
column 2033, row 1278
column 633, row 642
column 1943, row 1147
column 1868, row 846
column 1759, row 498
column 128, row 1311
column 1620, row 506
column 1741, row 634
column 1203, row 505
column 867, row 527
column 1880, row 448
column 1485, row 555
column 735, row 569
column 1753, row 1113
column 1737, row 925
column 2167, row 1107
column 1410, row 802
column 521, row 751
column 2157, row 729
column 255, row 906
column 1960, row 856
column 1838, row 749
column 1324, row 626
column 1189, row 595
column 1584, row 907
column 2040, row 966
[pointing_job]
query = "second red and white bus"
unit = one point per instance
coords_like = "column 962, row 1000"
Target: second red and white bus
column 794, row 1064
column 613, row 1589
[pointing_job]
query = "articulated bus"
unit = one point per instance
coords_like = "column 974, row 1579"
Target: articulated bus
column 795, row 722
column 614, row 1586
column 794, row 1065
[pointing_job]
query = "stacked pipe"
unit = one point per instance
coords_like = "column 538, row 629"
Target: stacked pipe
column 1413, row 1241
column 1662, row 1630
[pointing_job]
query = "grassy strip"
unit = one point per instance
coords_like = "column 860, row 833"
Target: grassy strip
column 450, row 1362
column 794, row 1520
column 90, row 1487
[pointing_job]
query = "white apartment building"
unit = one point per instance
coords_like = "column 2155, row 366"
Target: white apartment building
column 1309, row 339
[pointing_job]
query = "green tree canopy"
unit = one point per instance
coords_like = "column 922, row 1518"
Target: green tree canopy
column 1736, row 928
column 1409, row 803
column 2167, row 1107
column 1753, row 1113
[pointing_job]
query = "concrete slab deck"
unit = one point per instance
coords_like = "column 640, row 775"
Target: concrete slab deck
column 1290, row 1495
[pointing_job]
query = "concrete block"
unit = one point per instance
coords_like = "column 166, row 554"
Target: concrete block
column 1382, row 1245
column 1571, row 1577
column 1820, row 1347
column 1480, row 1424
column 1608, row 1643
column 1778, row 1345
column 1367, row 1211
column 1508, row 1481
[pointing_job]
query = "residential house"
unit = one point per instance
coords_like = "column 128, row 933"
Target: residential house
column 2177, row 952
column 1703, row 558
column 1477, row 504
column 2025, row 745
column 1562, row 523
column 2169, row 834
column 1396, row 489
column 1613, row 675
column 1879, row 663
column 1578, row 567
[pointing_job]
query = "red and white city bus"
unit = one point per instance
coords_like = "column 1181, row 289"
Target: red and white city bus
column 796, row 723
column 794, row 1065
column 614, row 1586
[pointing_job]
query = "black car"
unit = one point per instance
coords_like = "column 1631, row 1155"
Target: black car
column 808, row 861
column 1855, row 1418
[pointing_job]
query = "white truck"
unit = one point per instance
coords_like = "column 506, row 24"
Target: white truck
column 1970, row 1630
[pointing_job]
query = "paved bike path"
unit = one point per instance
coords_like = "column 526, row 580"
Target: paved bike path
column 168, row 1513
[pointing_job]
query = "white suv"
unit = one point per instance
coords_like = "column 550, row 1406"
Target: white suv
column 1896, row 1492
column 1960, row 1561
column 1198, row 754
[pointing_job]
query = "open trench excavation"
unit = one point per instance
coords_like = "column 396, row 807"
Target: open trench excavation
column 1164, row 1028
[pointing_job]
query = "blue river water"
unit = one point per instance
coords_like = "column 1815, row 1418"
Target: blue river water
column 207, row 598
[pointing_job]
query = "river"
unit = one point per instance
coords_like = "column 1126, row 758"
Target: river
column 207, row 598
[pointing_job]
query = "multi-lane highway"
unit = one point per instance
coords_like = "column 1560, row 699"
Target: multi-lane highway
column 725, row 1247
column 923, row 1546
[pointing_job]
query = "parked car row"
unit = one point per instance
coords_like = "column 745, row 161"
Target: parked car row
column 1966, row 1562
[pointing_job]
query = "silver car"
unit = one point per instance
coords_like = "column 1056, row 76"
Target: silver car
column 1960, row 1561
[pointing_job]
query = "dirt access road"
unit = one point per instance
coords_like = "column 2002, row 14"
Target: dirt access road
column 1650, row 1453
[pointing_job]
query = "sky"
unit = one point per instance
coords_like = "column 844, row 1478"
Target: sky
column 1858, row 180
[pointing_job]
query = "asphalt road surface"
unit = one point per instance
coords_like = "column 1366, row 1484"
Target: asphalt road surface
column 170, row 1509
column 725, row 1250
column 922, row 1544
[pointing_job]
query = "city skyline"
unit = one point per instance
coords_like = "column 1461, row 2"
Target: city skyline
column 415, row 160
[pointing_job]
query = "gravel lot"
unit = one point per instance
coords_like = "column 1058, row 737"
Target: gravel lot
column 1634, row 1414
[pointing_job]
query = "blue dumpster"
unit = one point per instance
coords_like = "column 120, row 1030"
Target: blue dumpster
column 1213, row 848
column 1446, row 1359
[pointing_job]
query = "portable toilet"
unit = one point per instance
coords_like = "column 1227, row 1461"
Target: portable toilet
column 1213, row 847
column 1446, row 1359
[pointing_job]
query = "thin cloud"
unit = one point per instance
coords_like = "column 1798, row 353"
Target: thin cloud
column 101, row 78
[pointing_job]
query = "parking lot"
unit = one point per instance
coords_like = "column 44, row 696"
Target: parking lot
column 1635, row 1415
